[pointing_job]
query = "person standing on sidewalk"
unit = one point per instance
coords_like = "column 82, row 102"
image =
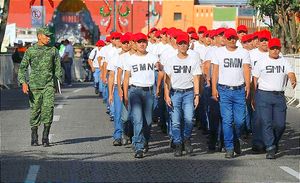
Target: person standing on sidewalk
column 67, row 61
column 44, row 61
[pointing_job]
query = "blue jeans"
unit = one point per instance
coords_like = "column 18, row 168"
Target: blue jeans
column 117, row 117
column 68, row 76
column 183, row 108
column 271, row 111
column 233, row 112
column 127, row 119
column 141, row 102
column 110, row 107
column 97, row 81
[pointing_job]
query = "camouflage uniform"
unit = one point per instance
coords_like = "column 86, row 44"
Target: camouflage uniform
column 45, row 71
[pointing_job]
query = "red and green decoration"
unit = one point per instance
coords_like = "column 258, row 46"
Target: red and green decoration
column 106, row 13
column 31, row 3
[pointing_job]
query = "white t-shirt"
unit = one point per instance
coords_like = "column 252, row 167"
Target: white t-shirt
column 231, row 65
column 112, row 65
column 201, row 49
column 210, row 53
column 152, row 48
column 94, row 54
column 239, row 44
column 121, row 62
column 142, row 69
column 194, row 54
column 161, row 48
column 256, row 56
column 181, row 71
column 165, row 55
column 272, row 74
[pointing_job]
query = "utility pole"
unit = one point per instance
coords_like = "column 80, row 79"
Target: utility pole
column 148, row 15
column 132, row 16
column 115, row 16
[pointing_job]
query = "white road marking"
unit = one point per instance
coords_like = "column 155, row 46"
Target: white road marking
column 66, row 97
column 291, row 171
column 77, row 90
column 56, row 118
column 59, row 106
column 32, row 173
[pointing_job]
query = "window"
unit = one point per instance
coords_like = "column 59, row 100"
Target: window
column 177, row 16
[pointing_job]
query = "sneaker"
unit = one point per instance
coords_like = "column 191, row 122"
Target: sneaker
column 139, row 154
column 96, row 91
column 146, row 147
column 229, row 154
column 237, row 146
column 111, row 118
column 117, row 142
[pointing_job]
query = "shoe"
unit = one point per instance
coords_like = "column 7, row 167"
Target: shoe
column 146, row 147
column 172, row 145
column 258, row 150
column 178, row 150
column 277, row 149
column 271, row 154
column 219, row 147
column 111, row 118
column 188, row 146
column 237, row 147
column 34, row 136
column 139, row 154
column 229, row 154
column 96, row 91
column 211, row 148
column 117, row 142
column 45, row 139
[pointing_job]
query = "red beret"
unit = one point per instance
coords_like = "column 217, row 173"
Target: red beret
column 183, row 37
column 274, row 42
column 230, row 33
column 100, row 43
column 195, row 36
column 140, row 36
column 191, row 30
column 202, row 29
column 242, row 28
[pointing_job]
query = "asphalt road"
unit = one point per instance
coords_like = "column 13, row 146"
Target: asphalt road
column 81, row 149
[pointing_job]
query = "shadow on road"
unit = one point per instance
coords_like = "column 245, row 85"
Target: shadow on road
column 81, row 140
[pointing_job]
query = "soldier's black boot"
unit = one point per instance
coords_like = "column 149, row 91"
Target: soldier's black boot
column 188, row 147
column 34, row 136
column 45, row 139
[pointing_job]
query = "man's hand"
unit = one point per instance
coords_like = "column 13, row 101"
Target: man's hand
column 293, row 83
column 110, row 99
column 93, row 69
column 253, row 104
column 25, row 88
column 157, row 92
column 196, row 101
column 247, row 91
column 126, row 102
column 168, row 101
column 215, row 95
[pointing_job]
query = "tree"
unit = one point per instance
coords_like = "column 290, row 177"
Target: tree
column 3, row 18
column 282, row 14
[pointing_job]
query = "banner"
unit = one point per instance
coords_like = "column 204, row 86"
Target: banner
column 37, row 16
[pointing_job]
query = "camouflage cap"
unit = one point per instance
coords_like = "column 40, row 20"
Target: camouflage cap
column 44, row 30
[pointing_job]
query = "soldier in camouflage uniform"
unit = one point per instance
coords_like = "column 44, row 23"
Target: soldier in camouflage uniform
column 44, row 61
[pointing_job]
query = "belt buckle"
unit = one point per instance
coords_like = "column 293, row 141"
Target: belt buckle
column 231, row 87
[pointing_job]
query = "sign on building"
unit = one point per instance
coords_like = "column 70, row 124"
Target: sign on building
column 37, row 16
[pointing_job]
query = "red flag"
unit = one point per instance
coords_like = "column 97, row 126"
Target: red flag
column 51, row 3
column 31, row 3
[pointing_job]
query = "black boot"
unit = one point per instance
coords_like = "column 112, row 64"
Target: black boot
column 45, row 139
column 237, row 146
column 34, row 136
column 188, row 146
column 178, row 150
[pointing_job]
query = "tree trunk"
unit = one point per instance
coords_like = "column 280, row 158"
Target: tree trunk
column 3, row 21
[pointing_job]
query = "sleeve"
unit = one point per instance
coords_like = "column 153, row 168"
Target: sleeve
column 246, row 58
column 214, row 59
column 208, row 55
column 168, row 68
column 23, row 67
column 126, row 66
column 197, row 69
column 58, row 70
column 92, row 54
column 154, row 59
column 111, row 64
column 120, row 61
column 289, row 67
column 256, row 70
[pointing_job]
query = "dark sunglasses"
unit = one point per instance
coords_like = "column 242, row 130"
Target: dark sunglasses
column 263, row 39
column 275, row 47
column 231, row 38
column 182, row 43
column 239, row 32
column 126, row 42
column 142, row 41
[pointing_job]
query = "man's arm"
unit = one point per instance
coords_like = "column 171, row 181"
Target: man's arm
column 292, row 78
column 125, row 87
column 57, row 69
column 167, row 88
column 160, row 77
column 246, row 68
column 215, row 76
column 196, row 80
column 119, row 79
column 104, row 73
column 111, row 79
column 22, row 72
column 90, row 62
